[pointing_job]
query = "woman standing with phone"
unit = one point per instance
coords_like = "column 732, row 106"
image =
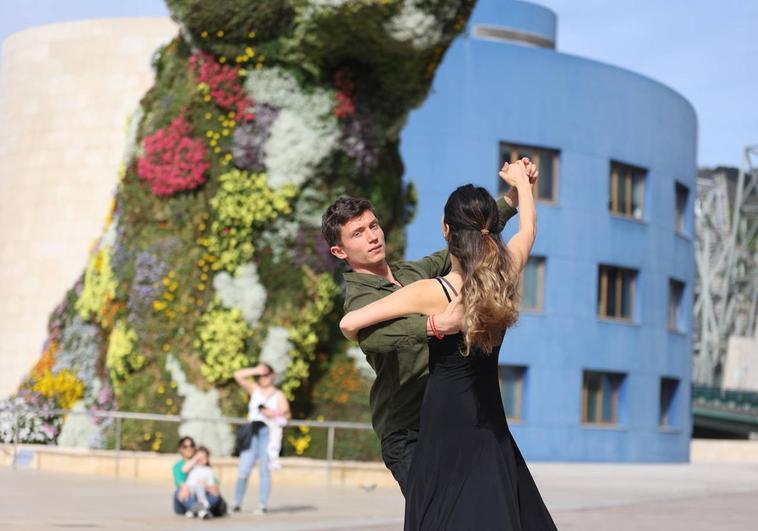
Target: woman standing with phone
column 268, row 409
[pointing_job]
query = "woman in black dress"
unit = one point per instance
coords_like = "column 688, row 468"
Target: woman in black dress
column 467, row 472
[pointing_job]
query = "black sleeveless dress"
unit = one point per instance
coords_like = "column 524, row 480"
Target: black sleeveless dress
column 467, row 473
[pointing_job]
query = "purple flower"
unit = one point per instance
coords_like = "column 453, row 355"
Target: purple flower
column 359, row 140
column 250, row 137
column 146, row 287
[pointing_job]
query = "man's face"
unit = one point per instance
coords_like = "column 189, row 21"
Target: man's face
column 362, row 242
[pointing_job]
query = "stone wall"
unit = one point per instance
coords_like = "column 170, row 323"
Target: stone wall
column 66, row 91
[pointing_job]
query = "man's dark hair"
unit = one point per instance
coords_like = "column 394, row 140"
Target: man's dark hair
column 184, row 439
column 339, row 213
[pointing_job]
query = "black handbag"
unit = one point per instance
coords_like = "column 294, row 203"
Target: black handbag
column 246, row 433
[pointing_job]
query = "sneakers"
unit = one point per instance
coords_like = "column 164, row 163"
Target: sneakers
column 205, row 514
column 236, row 509
column 189, row 514
column 261, row 510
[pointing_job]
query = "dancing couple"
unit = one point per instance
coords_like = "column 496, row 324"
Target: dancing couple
column 432, row 330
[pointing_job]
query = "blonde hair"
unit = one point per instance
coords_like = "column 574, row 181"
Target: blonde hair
column 490, row 287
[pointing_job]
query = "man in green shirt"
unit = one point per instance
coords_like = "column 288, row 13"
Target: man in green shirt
column 396, row 350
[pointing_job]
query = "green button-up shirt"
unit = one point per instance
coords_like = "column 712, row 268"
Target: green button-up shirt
column 397, row 350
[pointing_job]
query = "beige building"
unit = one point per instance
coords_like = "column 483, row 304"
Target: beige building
column 66, row 91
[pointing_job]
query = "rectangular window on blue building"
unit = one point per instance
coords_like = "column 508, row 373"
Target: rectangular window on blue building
column 547, row 161
column 600, row 397
column 682, row 195
column 512, row 389
column 532, row 285
column 615, row 292
column 676, row 292
column 626, row 190
column 669, row 387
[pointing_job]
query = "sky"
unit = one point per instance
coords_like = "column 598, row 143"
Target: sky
column 707, row 50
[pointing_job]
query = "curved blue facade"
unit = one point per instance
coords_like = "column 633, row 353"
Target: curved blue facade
column 590, row 116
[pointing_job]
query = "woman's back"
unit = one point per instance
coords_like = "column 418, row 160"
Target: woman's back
column 467, row 472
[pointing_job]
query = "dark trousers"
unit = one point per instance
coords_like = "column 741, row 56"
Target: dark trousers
column 217, row 508
column 397, row 453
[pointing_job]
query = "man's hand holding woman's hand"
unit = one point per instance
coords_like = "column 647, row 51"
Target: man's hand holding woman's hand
column 531, row 172
column 516, row 174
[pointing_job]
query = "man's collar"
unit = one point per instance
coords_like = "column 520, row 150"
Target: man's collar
column 369, row 279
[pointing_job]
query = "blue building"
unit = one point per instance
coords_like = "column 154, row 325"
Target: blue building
column 598, row 368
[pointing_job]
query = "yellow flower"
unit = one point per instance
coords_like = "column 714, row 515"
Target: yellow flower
column 204, row 35
column 222, row 59
column 251, row 35
column 166, row 347
column 146, row 436
column 169, row 401
column 63, row 386
column 219, row 33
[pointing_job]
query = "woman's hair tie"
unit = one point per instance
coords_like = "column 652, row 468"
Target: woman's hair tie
column 484, row 232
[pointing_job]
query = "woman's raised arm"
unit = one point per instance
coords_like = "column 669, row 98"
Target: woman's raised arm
column 417, row 298
column 520, row 245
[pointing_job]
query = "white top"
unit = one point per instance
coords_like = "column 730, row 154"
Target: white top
column 200, row 473
column 257, row 398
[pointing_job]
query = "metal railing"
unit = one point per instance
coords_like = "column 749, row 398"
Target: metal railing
column 119, row 416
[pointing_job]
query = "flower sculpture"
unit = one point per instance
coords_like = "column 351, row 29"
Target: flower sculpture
column 260, row 115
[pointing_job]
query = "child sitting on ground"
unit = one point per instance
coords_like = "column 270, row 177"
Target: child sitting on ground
column 199, row 479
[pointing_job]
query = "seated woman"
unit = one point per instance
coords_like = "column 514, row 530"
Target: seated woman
column 184, row 500
column 467, row 471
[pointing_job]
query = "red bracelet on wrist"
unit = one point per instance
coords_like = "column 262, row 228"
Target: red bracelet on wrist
column 434, row 328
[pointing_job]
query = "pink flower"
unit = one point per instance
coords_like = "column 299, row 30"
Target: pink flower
column 173, row 160
column 223, row 84
column 345, row 90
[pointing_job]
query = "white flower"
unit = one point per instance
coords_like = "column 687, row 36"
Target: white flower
column 132, row 127
column 79, row 430
column 412, row 24
column 275, row 350
column 217, row 436
column 243, row 291
column 111, row 234
column 305, row 131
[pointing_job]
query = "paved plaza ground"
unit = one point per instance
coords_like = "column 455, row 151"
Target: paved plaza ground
column 586, row 497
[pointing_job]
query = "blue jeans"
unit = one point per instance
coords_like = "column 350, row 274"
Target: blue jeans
column 181, row 507
column 256, row 453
